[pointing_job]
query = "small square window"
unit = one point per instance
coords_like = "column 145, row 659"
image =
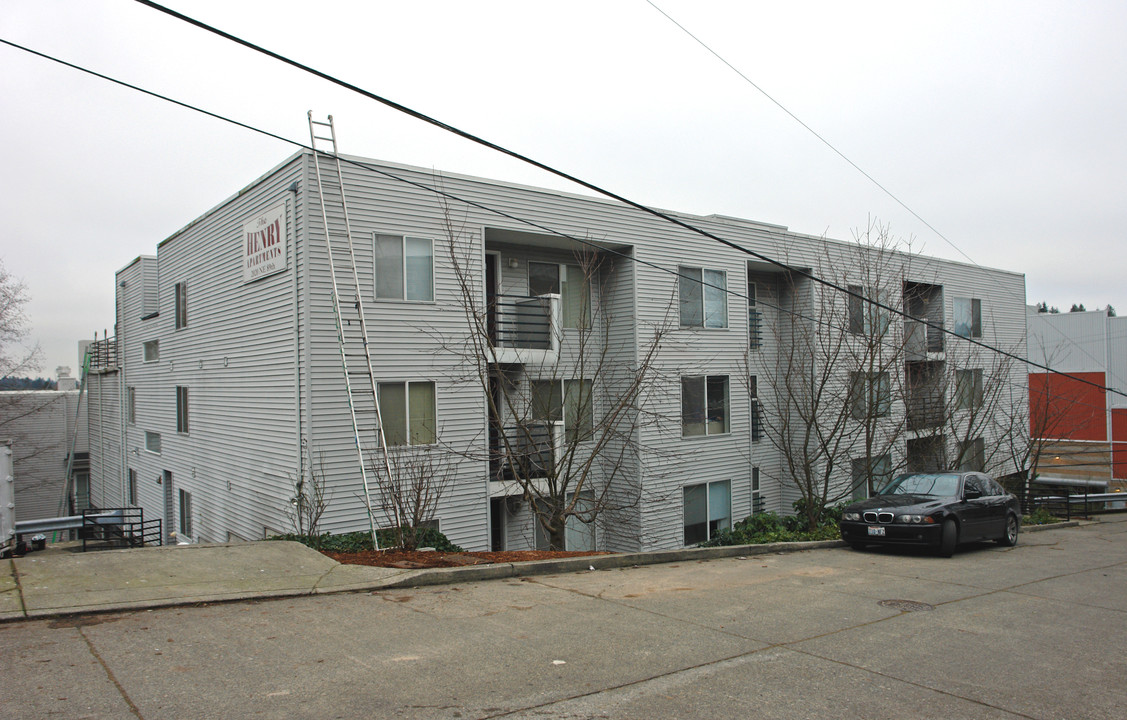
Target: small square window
column 152, row 442
column 151, row 350
column 968, row 317
column 131, row 405
column 408, row 413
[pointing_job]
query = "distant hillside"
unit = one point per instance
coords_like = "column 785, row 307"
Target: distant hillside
column 15, row 383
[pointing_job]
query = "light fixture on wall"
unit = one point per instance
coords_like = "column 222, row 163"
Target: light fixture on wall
column 514, row 263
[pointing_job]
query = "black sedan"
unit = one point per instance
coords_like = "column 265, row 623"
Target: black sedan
column 939, row 510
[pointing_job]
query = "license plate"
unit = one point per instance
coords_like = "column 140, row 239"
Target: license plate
column 876, row 530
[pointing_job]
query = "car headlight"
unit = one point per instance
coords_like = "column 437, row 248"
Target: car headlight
column 851, row 516
column 915, row 519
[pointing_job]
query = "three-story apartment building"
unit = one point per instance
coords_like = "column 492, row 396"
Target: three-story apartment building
column 520, row 339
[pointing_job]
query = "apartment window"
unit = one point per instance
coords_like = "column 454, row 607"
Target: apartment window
column 754, row 319
column 705, row 408
column 703, row 297
column 131, row 490
column 181, row 409
column 152, row 442
column 866, row 317
column 968, row 317
column 870, row 474
column 408, row 413
column 870, row 394
column 130, row 404
column 708, row 510
column 566, row 400
column 404, row 268
column 570, row 283
column 757, row 502
column 151, row 350
column 972, row 455
column 968, row 389
column 185, row 513
column 181, row 305
column 756, row 419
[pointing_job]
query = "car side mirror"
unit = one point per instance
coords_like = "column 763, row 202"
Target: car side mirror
column 972, row 494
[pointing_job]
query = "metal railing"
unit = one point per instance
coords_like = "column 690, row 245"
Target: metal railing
column 926, row 411
column 103, row 354
column 517, row 321
column 529, row 452
column 119, row 527
column 754, row 329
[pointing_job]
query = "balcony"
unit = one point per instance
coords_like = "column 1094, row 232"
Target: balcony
column 529, row 455
column 921, row 339
column 103, row 354
column 927, row 411
column 524, row 330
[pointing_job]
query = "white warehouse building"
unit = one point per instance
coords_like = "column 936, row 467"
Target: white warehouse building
column 521, row 338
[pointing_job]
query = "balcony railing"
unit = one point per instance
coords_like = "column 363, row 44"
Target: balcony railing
column 529, row 453
column 103, row 354
column 925, row 412
column 525, row 329
column 754, row 329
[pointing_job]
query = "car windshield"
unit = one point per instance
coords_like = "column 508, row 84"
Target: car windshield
column 934, row 484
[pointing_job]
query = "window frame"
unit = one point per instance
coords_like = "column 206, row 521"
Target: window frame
column 181, row 305
column 870, row 394
column 968, row 394
column 562, row 286
column 150, row 437
column 756, row 408
column 184, row 506
column 863, row 316
column 131, row 487
column 182, row 409
column 710, row 521
column 409, row 432
column 402, row 272
column 558, row 404
column 708, row 382
column 131, row 404
column 969, row 311
column 704, row 286
column 150, row 351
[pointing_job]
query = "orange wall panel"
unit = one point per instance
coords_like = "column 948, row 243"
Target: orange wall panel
column 1067, row 408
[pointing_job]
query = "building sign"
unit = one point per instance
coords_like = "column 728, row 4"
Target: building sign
column 264, row 244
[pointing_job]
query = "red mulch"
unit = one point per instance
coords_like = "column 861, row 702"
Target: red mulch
column 430, row 559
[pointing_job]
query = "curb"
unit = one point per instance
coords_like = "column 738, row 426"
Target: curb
column 498, row 571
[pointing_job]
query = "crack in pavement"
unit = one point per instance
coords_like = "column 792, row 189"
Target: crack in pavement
column 109, row 673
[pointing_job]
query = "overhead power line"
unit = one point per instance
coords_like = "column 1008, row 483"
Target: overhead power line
column 591, row 186
column 441, row 192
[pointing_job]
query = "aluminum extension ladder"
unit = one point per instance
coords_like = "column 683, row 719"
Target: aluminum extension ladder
column 352, row 332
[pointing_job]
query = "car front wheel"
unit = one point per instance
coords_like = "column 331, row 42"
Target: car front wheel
column 1010, row 538
column 949, row 540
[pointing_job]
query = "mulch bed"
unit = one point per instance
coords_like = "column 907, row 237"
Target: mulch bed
column 411, row 560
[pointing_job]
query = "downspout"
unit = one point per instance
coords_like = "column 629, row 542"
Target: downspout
column 296, row 340
column 119, row 357
column 1107, row 399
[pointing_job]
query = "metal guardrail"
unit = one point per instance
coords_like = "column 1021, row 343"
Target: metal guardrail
column 532, row 453
column 1084, row 503
column 518, row 321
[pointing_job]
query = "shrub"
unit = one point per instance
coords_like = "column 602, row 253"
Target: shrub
column 1040, row 516
column 768, row 527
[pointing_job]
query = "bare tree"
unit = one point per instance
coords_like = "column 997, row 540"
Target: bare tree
column 566, row 405
column 832, row 417
column 409, row 498
column 310, row 498
column 16, row 357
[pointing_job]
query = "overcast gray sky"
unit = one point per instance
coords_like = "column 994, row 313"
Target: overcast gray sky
column 1000, row 123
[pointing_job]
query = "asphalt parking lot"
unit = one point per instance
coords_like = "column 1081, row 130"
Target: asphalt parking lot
column 1035, row 631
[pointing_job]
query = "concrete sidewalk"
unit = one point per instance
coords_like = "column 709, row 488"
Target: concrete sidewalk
column 62, row 580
